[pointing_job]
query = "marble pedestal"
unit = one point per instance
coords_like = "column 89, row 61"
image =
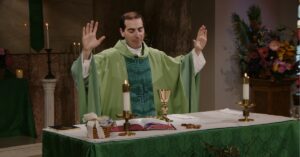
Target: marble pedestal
column 49, row 88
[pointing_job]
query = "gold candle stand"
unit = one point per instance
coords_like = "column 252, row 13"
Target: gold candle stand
column 126, row 115
column 246, row 110
column 164, row 95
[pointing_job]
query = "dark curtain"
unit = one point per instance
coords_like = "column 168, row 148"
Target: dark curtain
column 36, row 24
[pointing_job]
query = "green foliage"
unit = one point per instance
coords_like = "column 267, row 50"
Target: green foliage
column 254, row 14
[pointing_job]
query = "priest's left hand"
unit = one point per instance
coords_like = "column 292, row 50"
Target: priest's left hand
column 200, row 41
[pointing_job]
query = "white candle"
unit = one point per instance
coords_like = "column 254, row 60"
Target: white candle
column 126, row 96
column 246, row 87
column 79, row 48
column 47, row 36
column 19, row 73
column 74, row 48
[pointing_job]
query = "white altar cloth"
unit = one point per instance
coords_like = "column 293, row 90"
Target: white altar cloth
column 208, row 120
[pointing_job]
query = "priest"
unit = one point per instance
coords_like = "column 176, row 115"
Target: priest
column 99, row 77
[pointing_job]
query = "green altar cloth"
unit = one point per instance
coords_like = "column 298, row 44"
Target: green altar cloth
column 16, row 117
column 279, row 139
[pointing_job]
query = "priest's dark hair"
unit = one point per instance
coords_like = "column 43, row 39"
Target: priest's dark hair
column 129, row 16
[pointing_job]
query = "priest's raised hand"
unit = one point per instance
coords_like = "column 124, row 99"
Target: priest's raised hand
column 89, row 39
column 201, row 39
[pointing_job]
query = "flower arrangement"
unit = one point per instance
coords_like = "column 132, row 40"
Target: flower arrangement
column 264, row 53
column 5, row 59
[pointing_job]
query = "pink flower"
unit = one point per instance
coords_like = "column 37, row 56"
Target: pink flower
column 288, row 66
column 281, row 69
column 274, row 45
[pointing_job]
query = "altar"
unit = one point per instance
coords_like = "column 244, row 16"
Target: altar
column 267, row 135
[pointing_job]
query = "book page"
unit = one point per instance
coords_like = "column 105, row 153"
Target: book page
column 143, row 124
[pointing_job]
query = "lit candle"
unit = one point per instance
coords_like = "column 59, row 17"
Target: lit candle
column 126, row 96
column 27, row 36
column 19, row 73
column 79, row 48
column 246, row 87
column 47, row 36
column 74, row 48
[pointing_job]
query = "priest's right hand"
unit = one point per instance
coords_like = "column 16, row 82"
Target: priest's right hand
column 89, row 40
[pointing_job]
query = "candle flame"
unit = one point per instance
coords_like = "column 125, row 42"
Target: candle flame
column 46, row 26
column 125, row 82
column 246, row 75
column 78, row 44
column 74, row 43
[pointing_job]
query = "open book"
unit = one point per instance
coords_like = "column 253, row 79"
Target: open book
column 144, row 124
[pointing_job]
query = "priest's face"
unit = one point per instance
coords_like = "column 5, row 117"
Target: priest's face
column 134, row 32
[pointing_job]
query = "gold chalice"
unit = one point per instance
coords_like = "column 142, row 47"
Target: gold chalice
column 164, row 95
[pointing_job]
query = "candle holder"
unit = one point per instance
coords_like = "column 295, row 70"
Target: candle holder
column 49, row 75
column 126, row 115
column 164, row 95
column 246, row 110
column 19, row 73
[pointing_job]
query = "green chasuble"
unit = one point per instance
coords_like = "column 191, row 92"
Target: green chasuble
column 102, row 93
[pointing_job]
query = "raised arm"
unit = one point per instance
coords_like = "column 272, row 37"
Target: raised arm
column 89, row 40
column 201, row 39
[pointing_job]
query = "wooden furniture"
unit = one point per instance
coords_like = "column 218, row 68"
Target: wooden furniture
column 271, row 97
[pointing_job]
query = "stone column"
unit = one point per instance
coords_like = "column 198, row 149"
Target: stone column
column 49, row 87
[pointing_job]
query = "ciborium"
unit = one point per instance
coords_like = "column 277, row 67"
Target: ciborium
column 164, row 95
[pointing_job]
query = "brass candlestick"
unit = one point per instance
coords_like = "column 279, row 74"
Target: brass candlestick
column 126, row 115
column 164, row 95
column 246, row 110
